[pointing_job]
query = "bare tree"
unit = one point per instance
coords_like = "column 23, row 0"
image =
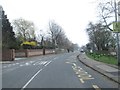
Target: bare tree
column 24, row 29
column 106, row 11
column 58, row 37
column 55, row 31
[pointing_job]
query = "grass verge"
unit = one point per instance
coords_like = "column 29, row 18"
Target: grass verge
column 103, row 58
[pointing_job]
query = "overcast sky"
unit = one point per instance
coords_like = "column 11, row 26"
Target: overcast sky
column 72, row 15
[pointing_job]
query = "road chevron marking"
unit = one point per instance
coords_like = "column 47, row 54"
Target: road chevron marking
column 96, row 87
column 48, row 63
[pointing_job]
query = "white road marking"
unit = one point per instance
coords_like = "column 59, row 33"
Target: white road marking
column 27, row 64
column 86, row 72
column 9, row 65
column 96, row 87
column 55, row 58
column 4, row 66
column 31, row 79
column 40, row 63
column 32, row 62
column 36, row 63
column 21, row 65
column 48, row 63
column 13, row 64
column 89, row 76
column 44, row 62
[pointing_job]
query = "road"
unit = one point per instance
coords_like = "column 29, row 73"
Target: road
column 53, row 71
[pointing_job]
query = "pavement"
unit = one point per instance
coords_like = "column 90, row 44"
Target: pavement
column 8, row 62
column 110, row 71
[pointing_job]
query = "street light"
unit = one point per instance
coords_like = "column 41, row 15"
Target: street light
column 117, row 33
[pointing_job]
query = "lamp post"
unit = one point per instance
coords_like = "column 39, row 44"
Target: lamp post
column 117, row 33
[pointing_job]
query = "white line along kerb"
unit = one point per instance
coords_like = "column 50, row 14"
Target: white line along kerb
column 31, row 79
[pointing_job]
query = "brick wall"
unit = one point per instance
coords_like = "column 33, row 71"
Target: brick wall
column 8, row 55
column 32, row 52
column 21, row 53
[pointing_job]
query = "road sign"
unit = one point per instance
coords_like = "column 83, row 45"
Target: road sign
column 116, row 27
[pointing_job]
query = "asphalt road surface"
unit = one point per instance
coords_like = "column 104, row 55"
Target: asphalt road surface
column 53, row 71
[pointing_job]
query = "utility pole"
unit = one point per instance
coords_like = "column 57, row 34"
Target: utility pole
column 117, row 33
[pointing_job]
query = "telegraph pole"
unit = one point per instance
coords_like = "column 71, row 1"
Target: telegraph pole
column 117, row 33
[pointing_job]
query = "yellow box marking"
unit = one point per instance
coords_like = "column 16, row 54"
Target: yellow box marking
column 96, row 87
column 67, row 62
column 79, row 76
column 77, row 72
column 74, row 64
column 86, row 78
column 81, row 80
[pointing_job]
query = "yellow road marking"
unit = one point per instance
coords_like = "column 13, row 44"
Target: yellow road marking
column 79, row 76
column 79, row 67
column 74, row 64
column 86, row 78
column 81, row 80
column 80, row 72
column 96, row 87
column 84, row 74
column 77, row 72
column 68, row 62
column 89, row 76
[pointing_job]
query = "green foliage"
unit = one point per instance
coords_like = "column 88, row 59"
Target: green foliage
column 8, row 36
column 100, row 37
column 105, row 58
column 116, row 27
